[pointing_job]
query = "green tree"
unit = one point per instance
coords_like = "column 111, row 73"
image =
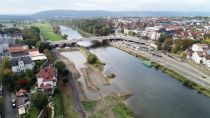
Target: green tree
column 7, row 73
column 40, row 100
column 65, row 80
column 42, row 46
column 6, row 63
column 182, row 45
column 48, row 55
column 60, row 65
column 92, row 59
column 29, row 73
column 162, row 38
column 167, row 45
column 65, row 72
column 65, row 36
column 130, row 33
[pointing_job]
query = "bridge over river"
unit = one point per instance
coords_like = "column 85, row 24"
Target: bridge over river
column 102, row 39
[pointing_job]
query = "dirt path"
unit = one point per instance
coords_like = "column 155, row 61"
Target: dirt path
column 77, row 93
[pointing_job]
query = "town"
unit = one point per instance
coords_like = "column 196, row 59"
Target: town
column 37, row 78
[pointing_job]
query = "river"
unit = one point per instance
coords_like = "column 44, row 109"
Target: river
column 72, row 34
column 155, row 94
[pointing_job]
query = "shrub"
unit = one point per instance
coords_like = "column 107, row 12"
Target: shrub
column 89, row 105
column 189, row 83
column 40, row 100
column 65, row 80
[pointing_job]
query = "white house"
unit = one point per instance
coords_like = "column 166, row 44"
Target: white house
column 154, row 35
column 199, row 47
column 198, row 57
column 21, row 64
column 200, row 53
column 47, row 78
column 36, row 55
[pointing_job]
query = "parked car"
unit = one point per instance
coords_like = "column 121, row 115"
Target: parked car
column 1, row 115
column 13, row 103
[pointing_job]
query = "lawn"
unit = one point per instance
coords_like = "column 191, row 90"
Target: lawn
column 67, row 100
column 57, row 100
column 47, row 32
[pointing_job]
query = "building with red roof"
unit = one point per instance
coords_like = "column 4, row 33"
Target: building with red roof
column 46, row 78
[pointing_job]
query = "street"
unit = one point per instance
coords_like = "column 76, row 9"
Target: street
column 9, row 112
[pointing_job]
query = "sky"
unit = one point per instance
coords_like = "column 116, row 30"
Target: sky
column 33, row 6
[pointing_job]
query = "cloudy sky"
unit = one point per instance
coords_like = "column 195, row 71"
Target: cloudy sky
column 32, row 6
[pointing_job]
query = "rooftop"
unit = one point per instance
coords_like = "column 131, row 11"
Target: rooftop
column 26, row 60
column 46, row 73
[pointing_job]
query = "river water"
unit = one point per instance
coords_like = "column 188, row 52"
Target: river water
column 155, row 94
column 72, row 34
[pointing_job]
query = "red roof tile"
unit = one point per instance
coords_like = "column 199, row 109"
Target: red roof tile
column 16, row 49
column 46, row 73
column 21, row 92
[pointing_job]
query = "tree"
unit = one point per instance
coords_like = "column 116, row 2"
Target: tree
column 91, row 58
column 65, row 80
column 23, row 83
column 48, row 55
column 167, row 45
column 42, row 46
column 162, row 38
column 65, row 36
column 60, row 65
column 40, row 100
column 29, row 73
column 56, row 30
column 7, row 73
column 6, row 63
column 65, row 72
column 31, row 33
column 130, row 33
column 182, row 45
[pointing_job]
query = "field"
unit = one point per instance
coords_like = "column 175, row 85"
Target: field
column 47, row 32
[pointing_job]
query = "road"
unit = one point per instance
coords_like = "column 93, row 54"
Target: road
column 9, row 112
column 183, row 68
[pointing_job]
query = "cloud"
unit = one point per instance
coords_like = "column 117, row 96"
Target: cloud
column 32, row 6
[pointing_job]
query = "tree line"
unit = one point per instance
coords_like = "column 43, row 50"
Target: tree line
column 31, row 36
column 94, row 26
column 168, row 44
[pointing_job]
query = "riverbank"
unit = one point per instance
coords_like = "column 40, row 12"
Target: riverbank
column 110, row 105
column 184, row 80
column 75, row 73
